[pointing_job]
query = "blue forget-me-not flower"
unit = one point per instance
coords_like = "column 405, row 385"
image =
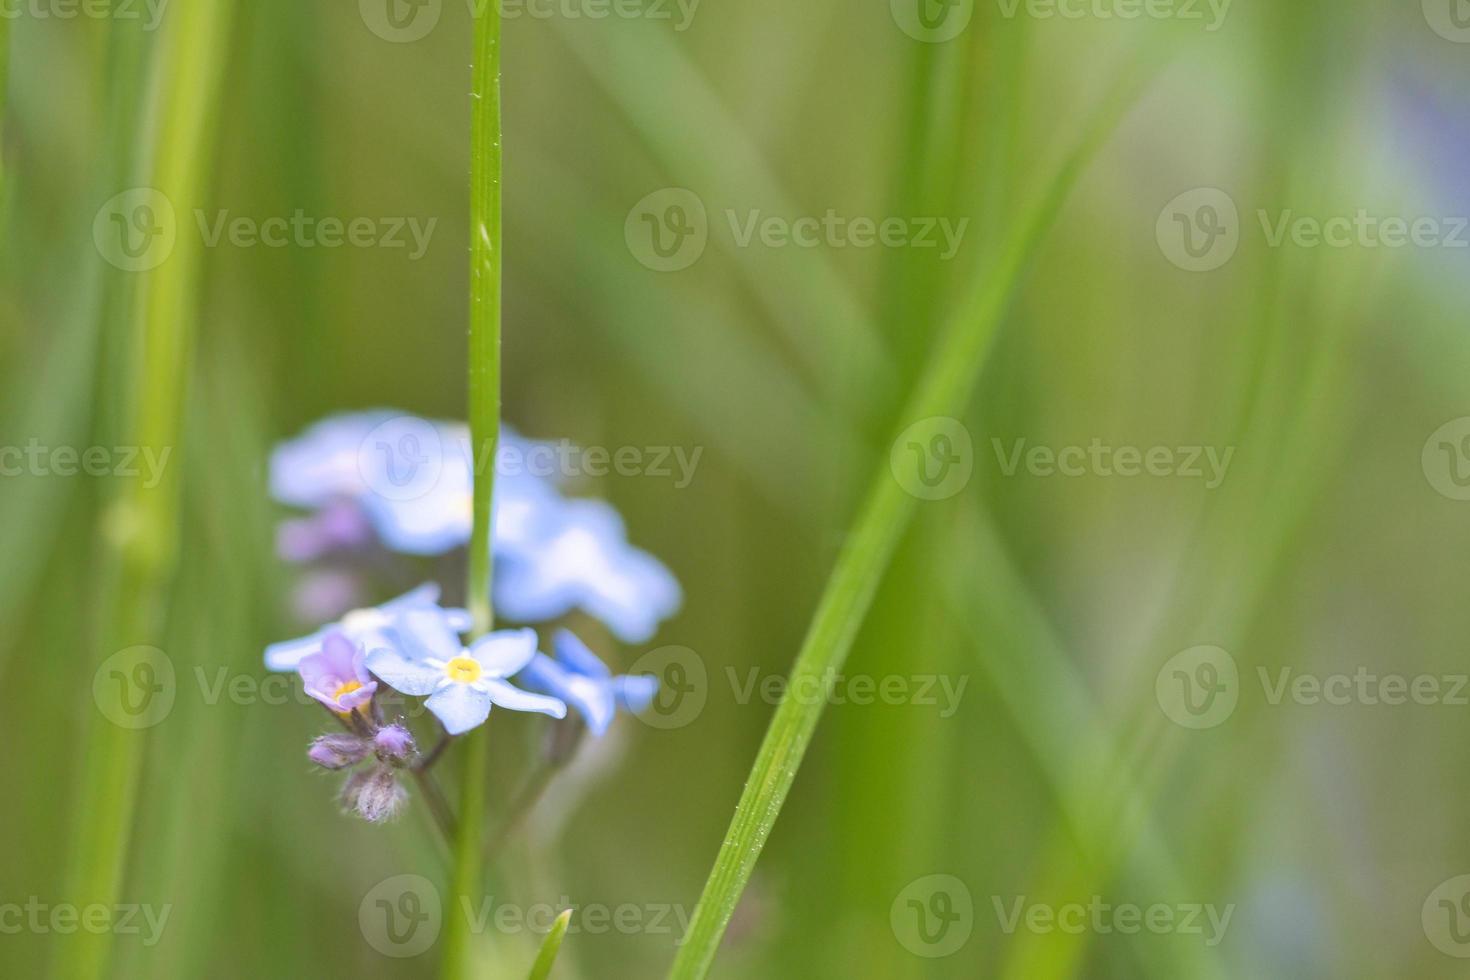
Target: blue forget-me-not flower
column 461, row 684
column 579, row 678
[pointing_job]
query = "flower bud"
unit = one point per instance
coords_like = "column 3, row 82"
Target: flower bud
column 379, row 797
column 394, row 744
column 337, row 751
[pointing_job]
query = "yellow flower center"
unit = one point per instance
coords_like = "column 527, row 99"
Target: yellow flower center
column 347, row 687
column 465, row 670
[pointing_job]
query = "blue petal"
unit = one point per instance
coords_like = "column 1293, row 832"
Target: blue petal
column 509, row 696
column 592, row 699
column 403, row 674
column 322, row 462
column 635, row 692
column 460, row 707
column 543, row 674
column 589, row 564
column 431, row 523
column 505, row 652
column 289, row 653
column 576, row 657
column 425, row 595
column 424, row 633
column 594, row 702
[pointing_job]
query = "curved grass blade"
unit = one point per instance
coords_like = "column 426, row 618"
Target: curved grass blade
column 944, row 390
column 541, row 969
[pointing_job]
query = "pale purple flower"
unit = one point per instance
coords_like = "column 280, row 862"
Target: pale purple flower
column 335, row 675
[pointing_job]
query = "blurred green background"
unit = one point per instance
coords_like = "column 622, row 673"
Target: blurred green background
column 1334, row 545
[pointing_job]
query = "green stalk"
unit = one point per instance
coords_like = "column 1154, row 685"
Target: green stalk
column 4, row 84
column 945, row 389
column 142, row 526
column 484, row 380
column 546, row 959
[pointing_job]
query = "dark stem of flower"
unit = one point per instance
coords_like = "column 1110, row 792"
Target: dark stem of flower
column 433, row 756
column 566, row 738
column 438, row 805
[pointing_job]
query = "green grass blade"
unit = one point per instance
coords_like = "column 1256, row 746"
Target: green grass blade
column 484, row 385
column 541, row 969
column 944, row 390
column 142, row 527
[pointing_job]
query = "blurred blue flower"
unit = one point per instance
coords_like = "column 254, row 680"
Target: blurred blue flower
column 412, row 482
column 583, row 681
column 370, row 628
column 586, row 563
column 440, row 520
column 322, row 464
column 461, row 684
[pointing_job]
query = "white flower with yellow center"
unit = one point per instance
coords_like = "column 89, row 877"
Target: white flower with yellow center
column 461, row 685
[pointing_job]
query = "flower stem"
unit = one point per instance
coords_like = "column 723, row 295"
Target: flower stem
column 484, row 381
column 438, row 806
column 4, row 80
